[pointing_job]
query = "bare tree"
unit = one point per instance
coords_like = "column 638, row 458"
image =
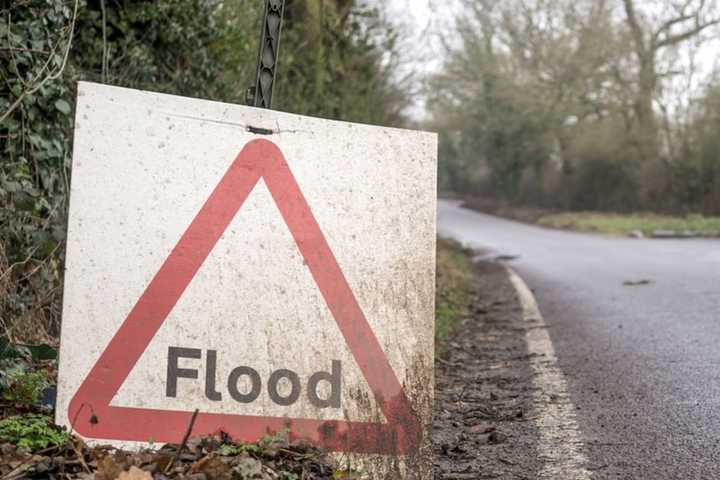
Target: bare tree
column 653, row 29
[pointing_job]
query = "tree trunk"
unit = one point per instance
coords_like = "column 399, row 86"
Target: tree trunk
column 647, row 128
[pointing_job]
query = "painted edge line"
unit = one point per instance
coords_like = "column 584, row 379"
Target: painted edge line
column 560, row 445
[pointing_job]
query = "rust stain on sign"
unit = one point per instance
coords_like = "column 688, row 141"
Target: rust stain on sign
column 281, row 281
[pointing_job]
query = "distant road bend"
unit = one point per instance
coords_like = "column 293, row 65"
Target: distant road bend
column 642, row 363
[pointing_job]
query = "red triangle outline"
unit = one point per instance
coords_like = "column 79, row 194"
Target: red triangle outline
column 90, row 412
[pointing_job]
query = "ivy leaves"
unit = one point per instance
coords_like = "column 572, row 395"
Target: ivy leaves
column 34, row 174
column 332, row 64
column 62, row 106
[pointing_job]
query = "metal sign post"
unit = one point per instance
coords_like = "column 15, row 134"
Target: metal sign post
column 260, row 95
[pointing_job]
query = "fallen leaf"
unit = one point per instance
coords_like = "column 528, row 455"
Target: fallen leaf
column 135, row 474
column 249, row 468
column 108, row 469
column 214, row 468
column 482, row 428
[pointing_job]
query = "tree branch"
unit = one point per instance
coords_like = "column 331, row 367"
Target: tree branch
column 635, row 28
column 681, row 37
column 665, row 27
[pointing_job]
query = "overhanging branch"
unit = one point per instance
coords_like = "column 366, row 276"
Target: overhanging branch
column 681, row 37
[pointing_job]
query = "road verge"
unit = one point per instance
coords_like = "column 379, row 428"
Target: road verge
column 502, row 409
column 483, row 425
column 637, row 225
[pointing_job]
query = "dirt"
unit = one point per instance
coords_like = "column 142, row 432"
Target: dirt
column 483, row 425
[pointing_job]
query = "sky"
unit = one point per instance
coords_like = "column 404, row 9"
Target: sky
column 421, row 23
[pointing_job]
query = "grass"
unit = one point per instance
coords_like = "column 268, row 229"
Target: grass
column 624, row 224
column 455, row 277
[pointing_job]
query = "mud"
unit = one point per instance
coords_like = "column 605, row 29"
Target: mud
column 483, row 426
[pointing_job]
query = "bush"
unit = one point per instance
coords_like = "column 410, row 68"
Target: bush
column 201, row 48
column 21, row 387
column 34, row 432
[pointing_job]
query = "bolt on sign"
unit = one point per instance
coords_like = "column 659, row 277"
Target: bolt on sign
column 272, row 270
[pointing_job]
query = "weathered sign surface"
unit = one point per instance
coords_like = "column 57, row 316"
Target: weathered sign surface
column 274, row 271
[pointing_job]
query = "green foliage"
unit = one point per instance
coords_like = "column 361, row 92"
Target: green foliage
column 34, row 432
column 337, row 61
column 334, row 62
column 267, row 445
column 695, row 182
column 230, row 449
column 599, row 171
column 21, row 383
column 27, row 353
column 35, row 146
column 167, row 46
column 493, row 122
column 20, row 387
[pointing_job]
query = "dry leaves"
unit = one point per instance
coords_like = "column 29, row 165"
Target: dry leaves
column 213, row 458
column 135, row 474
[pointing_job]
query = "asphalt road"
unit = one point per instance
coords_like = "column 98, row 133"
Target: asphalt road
column 642, row 363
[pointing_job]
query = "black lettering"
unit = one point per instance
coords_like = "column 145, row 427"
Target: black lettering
column 294, row 391
column 254, row 392
column 210, row 392
column 174, row 372
column 335, row 380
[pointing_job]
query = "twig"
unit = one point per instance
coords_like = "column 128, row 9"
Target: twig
column 17, row 264
column 51, row 76
column 80, row 455
column 77, row 414
column 184, row 442
column 39, row 266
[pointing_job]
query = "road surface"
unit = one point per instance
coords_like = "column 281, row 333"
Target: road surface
column 642, row 363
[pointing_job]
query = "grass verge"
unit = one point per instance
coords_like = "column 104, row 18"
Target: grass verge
column 623, row 224
column 455, row 276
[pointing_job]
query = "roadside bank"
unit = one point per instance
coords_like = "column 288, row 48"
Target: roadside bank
column 637, row 225
column 483, row 424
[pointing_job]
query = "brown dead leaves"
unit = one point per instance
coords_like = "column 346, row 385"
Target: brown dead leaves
column 214, row 458
column 134, row 474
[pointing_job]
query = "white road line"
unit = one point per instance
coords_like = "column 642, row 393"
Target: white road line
column 560, row 447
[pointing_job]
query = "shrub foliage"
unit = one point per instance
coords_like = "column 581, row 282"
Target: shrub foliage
column 333, row 63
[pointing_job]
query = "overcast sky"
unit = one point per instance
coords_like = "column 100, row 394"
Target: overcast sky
column 421, row 23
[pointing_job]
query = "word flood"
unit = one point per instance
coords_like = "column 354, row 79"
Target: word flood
column 174, row 373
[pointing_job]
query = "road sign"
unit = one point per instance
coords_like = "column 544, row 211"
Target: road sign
column 274, row 282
